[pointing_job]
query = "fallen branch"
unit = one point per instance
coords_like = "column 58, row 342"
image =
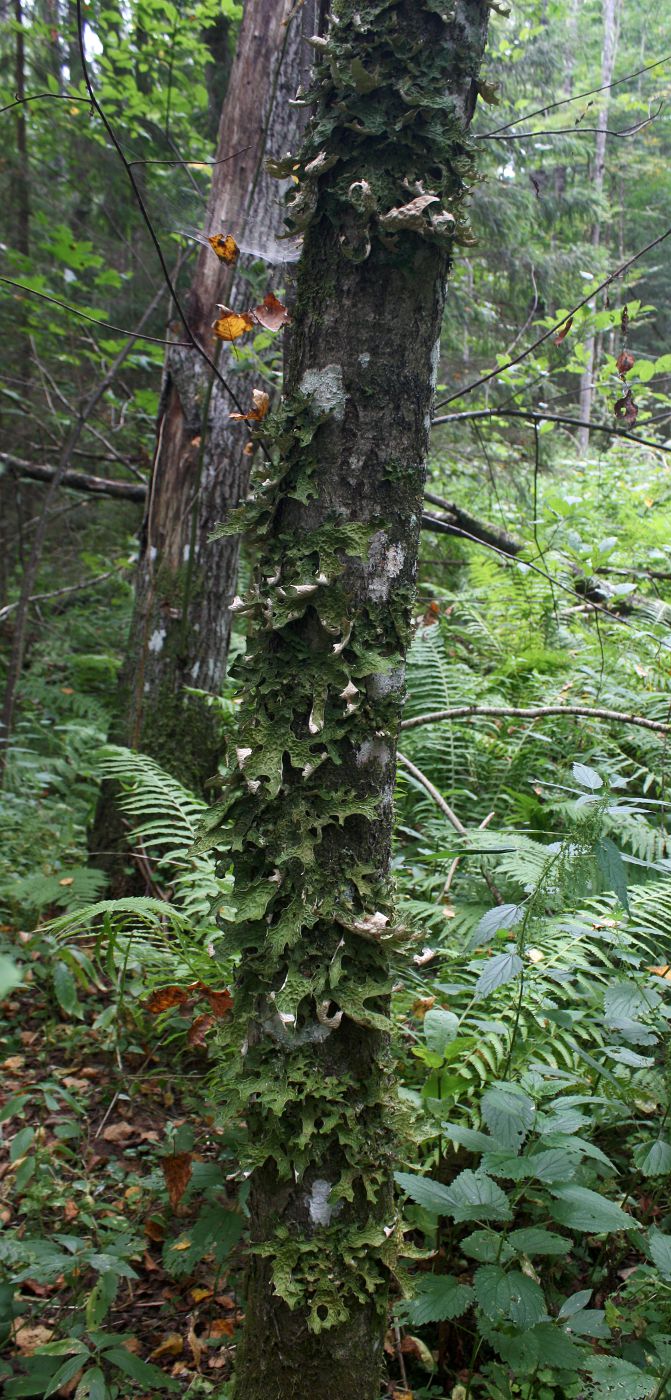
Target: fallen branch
column 460, row 522
column 77, row 481
column 533, row 712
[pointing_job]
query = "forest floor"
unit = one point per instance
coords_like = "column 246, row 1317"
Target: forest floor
column 90, row 1170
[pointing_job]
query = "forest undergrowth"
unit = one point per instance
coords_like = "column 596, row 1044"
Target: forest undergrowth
column 531, row 1001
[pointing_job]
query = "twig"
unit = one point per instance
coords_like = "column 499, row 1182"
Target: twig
column 61, row 592
column 433, row 792
column 532, row 416
column 517, row 359
column 535, row 712
column 570, row 131
column 579, row 96
column 104, row 325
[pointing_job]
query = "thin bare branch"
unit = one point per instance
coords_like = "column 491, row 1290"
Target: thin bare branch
column 104, row 325
column 523, row 355
column 579, row 96
column 537, row 417
column 534, row 712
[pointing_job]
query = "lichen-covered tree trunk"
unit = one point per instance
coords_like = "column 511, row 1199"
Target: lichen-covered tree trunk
column 180, row 628
column 307, row 810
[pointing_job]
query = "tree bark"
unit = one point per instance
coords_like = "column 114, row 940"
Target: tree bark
column 181, row 623
column 611, row 24
column 307, row 809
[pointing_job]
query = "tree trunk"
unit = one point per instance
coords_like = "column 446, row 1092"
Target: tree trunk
column 181, row 623
column 611, row 24
column 308, row 805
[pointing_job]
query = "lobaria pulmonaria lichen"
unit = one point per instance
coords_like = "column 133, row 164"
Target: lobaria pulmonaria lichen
column 306, row 814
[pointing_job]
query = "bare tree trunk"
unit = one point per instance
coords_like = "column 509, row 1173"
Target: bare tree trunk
column 611, row 25
column 22, row 174
column 308, row 807
column 181, row 623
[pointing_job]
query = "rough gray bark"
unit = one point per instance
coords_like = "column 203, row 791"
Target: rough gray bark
column 611, row 25
column 181, row 623
column 308, row 806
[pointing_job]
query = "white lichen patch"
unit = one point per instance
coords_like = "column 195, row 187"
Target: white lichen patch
column 385, row 562
column 326, row 388
column 319, row 1210
column 385, row 683
column 372, row 751
column 156, row 640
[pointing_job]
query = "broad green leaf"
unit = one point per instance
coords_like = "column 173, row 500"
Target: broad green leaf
column 64, row 1374
column 92, row 1386
column 66, row 991
column 534, row 1240
column 654, row 1160
column 618, row 1380
column 468, row 1137
column 508, row 1113
column 21, row 1143
column 587, row 777
column 660, row 1251
column 502, row 968
column 471, row 1196
column 545, row 1344
column 574, row 1304
column 487, row 1247
column 501, row 917
column 581, row 1209
column 509, row 1294
column 10, row 976
column 612, row 868
column 437, row 1298
column 440, row 1027
column 140, row 1370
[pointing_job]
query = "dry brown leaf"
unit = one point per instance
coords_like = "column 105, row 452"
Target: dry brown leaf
column 221, row 1327
column 624, row 362
column 28, row 1338
column 154, row 1231
column 172, row 1345
column 195, row 1345
column 225, row 247
column 14, row 1062
column 271, row 313
column 422, row 1005
column 258, row 412
column 177, row 1173
column 220, row 1002
column 118, row 1132
column 198, row 1030
column 70, row 1210
column 200, row 1294
column 165, row 998
column 563, row 331
column 149, row 1264
column 663, row 971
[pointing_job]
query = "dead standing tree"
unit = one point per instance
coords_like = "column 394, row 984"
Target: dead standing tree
column 181, row 622
column 307, row 809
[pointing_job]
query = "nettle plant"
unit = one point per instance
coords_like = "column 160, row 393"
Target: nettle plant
column 543, row 1118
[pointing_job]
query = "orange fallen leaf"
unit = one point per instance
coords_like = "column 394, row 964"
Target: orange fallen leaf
column 14, row 1062
column 69, row 880
column 149, row 1265
column 225, row 247
column 258, row 412
column 70, row 1210
column 177, row 1173
column 181, row 1245
column 271, row 313
column 233, row 324
column 172, row 1345
column 221, row 1327
column 200, row 1294
column 67, row 690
